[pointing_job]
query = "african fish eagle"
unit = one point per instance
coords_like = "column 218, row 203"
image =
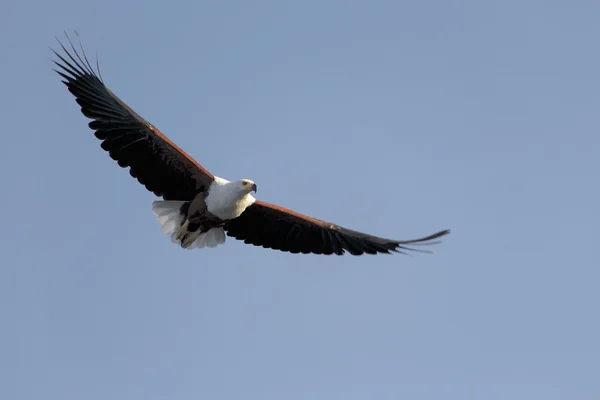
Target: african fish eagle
column 198, row 208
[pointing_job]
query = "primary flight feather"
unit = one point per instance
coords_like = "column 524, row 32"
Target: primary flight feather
column 198, row 208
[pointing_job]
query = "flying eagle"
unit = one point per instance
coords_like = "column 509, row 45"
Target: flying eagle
column 198, row 208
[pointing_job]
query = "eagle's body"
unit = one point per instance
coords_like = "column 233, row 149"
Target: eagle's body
column 199, row 223
column 198, row 209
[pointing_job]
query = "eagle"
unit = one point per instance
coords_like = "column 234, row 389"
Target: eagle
column 198, row 209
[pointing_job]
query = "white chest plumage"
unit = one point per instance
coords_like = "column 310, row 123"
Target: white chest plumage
column 226, row 200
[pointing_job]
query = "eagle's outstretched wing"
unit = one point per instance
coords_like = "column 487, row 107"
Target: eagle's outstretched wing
column 133, row 142
column 275, row 227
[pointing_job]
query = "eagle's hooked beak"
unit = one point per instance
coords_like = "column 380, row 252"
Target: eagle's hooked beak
column 254, row 188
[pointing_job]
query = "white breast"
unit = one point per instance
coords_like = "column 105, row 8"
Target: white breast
column 226, row 200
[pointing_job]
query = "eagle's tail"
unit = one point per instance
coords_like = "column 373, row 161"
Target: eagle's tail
column 168, row 214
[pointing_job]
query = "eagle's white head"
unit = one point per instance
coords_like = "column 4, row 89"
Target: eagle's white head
column 247, row 186
column 228, row 199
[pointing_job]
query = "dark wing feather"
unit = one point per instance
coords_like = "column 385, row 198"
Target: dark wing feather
column 275, row 227
column 156, row 162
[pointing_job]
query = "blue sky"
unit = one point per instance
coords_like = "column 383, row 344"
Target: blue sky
column 395, row 118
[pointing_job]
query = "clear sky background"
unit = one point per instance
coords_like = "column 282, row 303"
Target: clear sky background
column 395, row 118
